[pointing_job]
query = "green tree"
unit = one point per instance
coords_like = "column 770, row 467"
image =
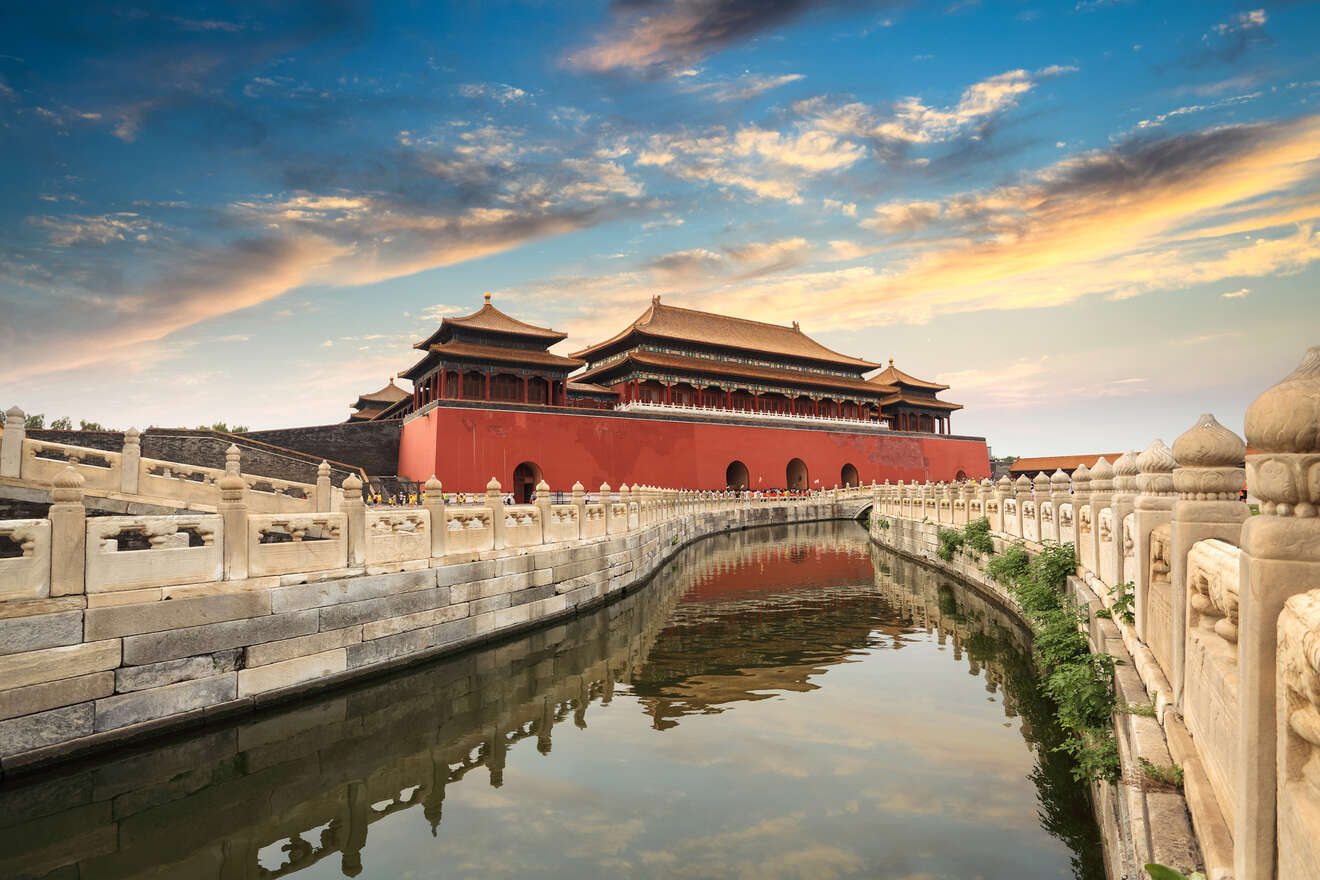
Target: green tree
column 63, row 423
column 84, row 425
column 35, row 422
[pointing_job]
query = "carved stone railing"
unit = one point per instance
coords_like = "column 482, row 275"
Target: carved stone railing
column 1226, row 635
column 126, row 474
column 285, row 543
column 137, row 552
column 25, row 564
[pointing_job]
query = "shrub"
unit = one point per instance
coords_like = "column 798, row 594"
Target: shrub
column 1010, row 565
column 978, row 536
column 951, row 541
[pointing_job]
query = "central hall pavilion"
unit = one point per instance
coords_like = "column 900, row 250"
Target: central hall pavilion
column 668, row 358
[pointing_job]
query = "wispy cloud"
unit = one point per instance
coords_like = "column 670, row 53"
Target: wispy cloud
column 740, row 88
column 645, row 37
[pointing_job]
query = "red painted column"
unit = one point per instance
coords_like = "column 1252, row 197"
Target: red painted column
column 443, row 378
column 669, row 393
column 700, row 397
column 487, row 386
column 728, row 400
column 525, row 390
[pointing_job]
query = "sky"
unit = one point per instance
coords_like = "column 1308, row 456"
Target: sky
column 1094, row 220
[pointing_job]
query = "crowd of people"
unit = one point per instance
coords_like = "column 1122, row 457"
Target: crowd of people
column 414, row 496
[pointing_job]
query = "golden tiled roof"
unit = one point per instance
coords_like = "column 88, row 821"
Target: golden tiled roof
column 590, row 388
column 492, row 320
column 472, row 352
column 705, row 366
column 384, row 397
column 928, row 402
column 1068, row 463
column 706, row 328
column 892, row 375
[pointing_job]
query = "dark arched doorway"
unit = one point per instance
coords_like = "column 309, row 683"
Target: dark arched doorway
column 848, row 476
column 735, row 475
column 960, row 476
column 795, row 475
column 525, row 478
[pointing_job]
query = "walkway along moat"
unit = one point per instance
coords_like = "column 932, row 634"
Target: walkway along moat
column 787, row 701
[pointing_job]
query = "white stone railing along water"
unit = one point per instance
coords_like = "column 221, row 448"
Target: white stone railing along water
column 1226, row 628
column 127, row 475
column 114, row 627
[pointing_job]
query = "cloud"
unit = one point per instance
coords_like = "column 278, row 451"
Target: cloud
column 848, row 209
column 910, row 120
column 1236, row 294
column 1153, row 213
column 768, row 164
column 1229, row 40
column 71, row 230
column 504, row 94
column 741, row 88
column 648, row 36
column 1161, row 118
column 480, row 193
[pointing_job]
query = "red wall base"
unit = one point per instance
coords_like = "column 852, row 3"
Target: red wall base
column 465, row 447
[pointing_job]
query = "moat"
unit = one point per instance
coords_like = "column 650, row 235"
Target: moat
column 781, row 702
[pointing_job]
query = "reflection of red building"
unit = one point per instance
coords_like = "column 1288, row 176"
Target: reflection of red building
column 679, row 398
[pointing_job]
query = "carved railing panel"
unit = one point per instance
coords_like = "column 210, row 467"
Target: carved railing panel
column 1210, row 689
column 1299, row 737
column 562, row 524
column 42, row 461
column 296, row 542
column 24, row 559
column 169, row 479
column 469, row 529
column 1130, row 546
column 136, row 552
column 402, row 535
column 1048, row 529
column 1030, row 527
column 1108, row 561
column 1159, row 611
column 1085, row 545
column 522, row 525
column 1065, row 524
column 594, row 525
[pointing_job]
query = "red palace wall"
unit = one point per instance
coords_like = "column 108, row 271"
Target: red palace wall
column 465, row 447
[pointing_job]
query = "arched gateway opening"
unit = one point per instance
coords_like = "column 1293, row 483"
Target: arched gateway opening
column 735, row 475
column 848, row 476
column 525, row 478
column 795, row 475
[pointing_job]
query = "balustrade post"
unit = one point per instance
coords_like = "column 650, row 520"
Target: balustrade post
column 543, row 507
column 130, row 462
column 68, row 535
column 1102, row 494
column 1082, row 525
column 1123, row 504
column 1152, row 510
column 580, row 505
column 1059, row 482
column 968, row 495
column 985, row 491
column 433, row 500
column 323, row 487
column 607, row 503
column 1003, row 491
column 626, row 499
column 11, row 443
column 233, row 513
column 495, row 501
column 1040, row 486
column 1280, row 558
column 1021, row 495
column 355, row 510
column 1208, row 482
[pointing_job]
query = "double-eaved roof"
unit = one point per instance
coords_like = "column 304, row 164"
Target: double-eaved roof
column 490, row 324
column 670, row 323
column 370, row 405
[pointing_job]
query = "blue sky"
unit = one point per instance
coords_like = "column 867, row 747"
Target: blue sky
column 1094, row 220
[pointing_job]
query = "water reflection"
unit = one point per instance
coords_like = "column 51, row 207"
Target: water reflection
column 784, row 702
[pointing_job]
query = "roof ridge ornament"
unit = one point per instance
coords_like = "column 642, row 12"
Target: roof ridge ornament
column 487, row 295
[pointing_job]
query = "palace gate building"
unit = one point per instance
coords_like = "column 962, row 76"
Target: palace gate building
column 678, row 398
